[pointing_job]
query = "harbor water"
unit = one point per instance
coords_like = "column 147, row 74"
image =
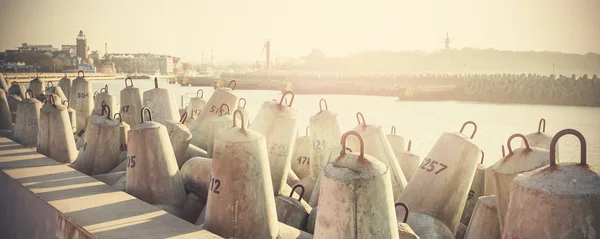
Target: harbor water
column 421, row 122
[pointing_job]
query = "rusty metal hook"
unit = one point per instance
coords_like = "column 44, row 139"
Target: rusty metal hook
column 291, row 100
column 409, row 144
column 234, row 84
column 510, row 151
column 235, row 113
column 120, row 118
column 201, row 96
column 66, row 101
column 149, row 114
column 183, row 117
column 503, row 153
column 221, row 109
column 405, row 208
column 82, row 73
column 107, row 108
column 28, row 93
column 360, row 140
column 582, row 143
column 542, row 125
column 301, row 192
column 482, row 156
column 240, row 102
column 321, row 105
column 130, row 81
column 155, row 82
column 105, row 89
column 360, row 116
column 51, row 100
column 393, row 129
column 474, row 128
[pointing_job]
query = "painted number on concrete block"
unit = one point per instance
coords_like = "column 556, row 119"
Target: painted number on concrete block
column 214, row 185
column 82, row 95
column 303, row 160
column 278, row 150
column 125, row 108
column 196, row 112
column 429, row 165
column 130, row 161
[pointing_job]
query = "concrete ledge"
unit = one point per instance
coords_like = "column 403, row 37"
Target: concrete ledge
column 41, row 198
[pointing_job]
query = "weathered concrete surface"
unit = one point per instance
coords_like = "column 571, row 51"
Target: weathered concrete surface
column 312, row 219
column 131, row 104
column 325, row 132
column 300, row 160
column 51, row 200
column 460, row 233
column 291, row 212
column 81, row 101
column 287, row 232
column 109, row 178
column 192, row 207
column 26, row 128
column 201, row 124
column 162, row 103
column 5, row 117
column 180, row 138
column 484, row 222
column 478, row 187
column 195, row 174
column 55, row 139
column 428, row 227
column 292, row 179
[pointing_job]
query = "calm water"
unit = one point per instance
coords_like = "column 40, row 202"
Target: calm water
column 423, row 122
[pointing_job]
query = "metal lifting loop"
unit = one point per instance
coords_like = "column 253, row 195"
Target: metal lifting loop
column 201, row 96
column 360, row 140
column 49, row 84
column 234, row 84
column 301, row 192
column 103, row 103
column 120, row 118
column 235, row 113
column 474, row 128
column 28, row 93
column 307, row 128
column 542, row 125
column 393, row 129
column 321, row 104
column 503, row 153
column 405, row 208
column 155, row 82
column 105, row 89
column 582, row 144
column 95, row 93
column 183, row 117
column 409, row 144
column 66, row 101
column 51, row 100
column 149, row 114
column 221, row 110
column 482, row 156
column 349, row 149
column 82, row 73
column 130, row 81
column 360, row 116
column 291, row 100
column 240, row 103
column 107, row 108
column 510, row 151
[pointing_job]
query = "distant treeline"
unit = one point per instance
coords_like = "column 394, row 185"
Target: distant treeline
column 467, row 60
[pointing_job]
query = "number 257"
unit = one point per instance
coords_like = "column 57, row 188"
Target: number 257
column 429, row 165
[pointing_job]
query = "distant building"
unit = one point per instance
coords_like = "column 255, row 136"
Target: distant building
column 82, row 47
column 42, row 48
column 87, row 68
column 106, row 68
column 72, row 48
column 144, row 63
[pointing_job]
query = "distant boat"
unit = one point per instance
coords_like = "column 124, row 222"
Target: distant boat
column 204, row 77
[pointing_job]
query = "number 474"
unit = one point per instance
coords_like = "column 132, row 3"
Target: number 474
column 429, row 165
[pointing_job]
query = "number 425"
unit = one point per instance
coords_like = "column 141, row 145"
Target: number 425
column 431, row 165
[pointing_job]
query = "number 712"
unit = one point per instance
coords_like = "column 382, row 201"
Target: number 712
column 429, row 165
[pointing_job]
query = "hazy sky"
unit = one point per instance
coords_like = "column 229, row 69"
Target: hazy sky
column 238, row 29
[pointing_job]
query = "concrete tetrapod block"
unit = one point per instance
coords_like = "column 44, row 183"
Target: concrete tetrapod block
column 5, row 117
column 377, row 145
column 162, row 103
column 308, row 183
column 180, row 138
column 121, row 184
column 240, row 177
column 312, row 219
column 100, row 153
column 300, row 160
column 476, row 191
column 484, row 222
column 65, row 85
column 325, row 133
column 72, row 116
column 195, row 174
column 81, row 100
column 331, row 155
column 291, row 211
column 105, row 96
column 201, row 218
column 441, row 185
column 26, row 128
column 192, row 207
column 37, row 86
column 201, row 125
column 223, row 122
column 278, row 122
column 55, row 139
column 358, row 192
column 556, row 201
column 196, row 105
column 13, row 103
column 515, row 162
column 131, row 104
column 194, row 151
column 288, row 232
column 428, row 227
column 152, row 172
